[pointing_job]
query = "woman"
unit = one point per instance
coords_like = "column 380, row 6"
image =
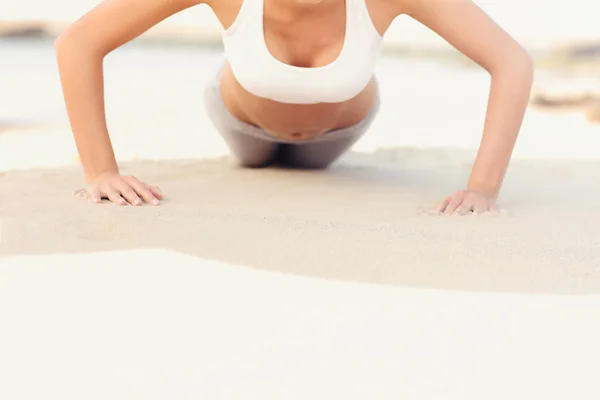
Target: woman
column 298, row 84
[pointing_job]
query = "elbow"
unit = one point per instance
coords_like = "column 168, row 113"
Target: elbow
column 64, row 44
column 66, row 38
column 66, row 41
column 71, row 43
column 524, row 71
column 525, row 65
column 60, row 44
column 517, row 65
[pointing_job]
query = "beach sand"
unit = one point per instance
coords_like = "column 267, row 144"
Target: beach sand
column 285, row 284
column 156, row 324
column 364, row 220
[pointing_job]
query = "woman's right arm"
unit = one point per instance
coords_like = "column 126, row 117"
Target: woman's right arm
column 80, row 52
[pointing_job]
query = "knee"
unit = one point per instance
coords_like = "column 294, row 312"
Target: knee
column 307, row 163
column 257, row 160
column 315, row 165
column 254, row 164
column 249, row 154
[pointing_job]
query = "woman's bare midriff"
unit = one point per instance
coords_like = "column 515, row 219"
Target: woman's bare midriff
column 295, row 36
column 294, row 121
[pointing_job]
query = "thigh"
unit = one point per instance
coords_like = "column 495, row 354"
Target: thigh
column 316, row 155
column 249, row 151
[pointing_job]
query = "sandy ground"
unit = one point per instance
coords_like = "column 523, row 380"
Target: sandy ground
column 155, row 324
column 365, row 220
column 273, row 283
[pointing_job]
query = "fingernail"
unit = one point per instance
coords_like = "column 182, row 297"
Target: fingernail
column 156, row 202
column 137, row 202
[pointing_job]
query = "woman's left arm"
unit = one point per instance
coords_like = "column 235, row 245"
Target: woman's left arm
column 469, row 29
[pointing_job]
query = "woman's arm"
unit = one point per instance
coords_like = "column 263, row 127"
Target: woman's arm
column 466, row 27
column 80, row 51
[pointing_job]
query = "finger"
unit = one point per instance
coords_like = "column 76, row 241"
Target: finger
column 95, row 195
column 143, row 191
column 480, row 207
column 463, row 209
column 156, row 191
column 453, row 205
column 443, row 204
column 114, row 196
column 128, row 193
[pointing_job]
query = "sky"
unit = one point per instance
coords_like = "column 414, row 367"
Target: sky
column 531, row 20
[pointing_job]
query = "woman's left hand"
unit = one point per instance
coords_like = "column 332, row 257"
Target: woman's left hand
column 466, row 201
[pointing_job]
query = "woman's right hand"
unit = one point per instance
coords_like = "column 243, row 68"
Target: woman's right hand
column 80, row 52
column 123, row 190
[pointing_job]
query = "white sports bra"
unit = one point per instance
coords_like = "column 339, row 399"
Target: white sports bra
column 264, row 76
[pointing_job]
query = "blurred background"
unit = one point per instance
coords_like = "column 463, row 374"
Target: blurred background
column 432, row 95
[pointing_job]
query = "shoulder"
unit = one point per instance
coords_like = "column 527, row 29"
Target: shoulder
column 465, row 26
column 423, row 8
column 113, row 23
column 390, row 9
column 401, row 7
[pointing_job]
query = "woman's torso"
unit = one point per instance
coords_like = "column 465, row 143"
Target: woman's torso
column 307, row 37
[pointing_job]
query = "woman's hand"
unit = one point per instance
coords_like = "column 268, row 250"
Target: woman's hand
column 466, row 27
column 123, row 190
column 466, row 201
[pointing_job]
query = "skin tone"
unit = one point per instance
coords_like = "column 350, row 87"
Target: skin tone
column 81, row 49
column 473, row 33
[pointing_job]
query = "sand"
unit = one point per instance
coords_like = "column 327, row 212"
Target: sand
column 365, row 220
column 156, row 324
column 274, row 283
